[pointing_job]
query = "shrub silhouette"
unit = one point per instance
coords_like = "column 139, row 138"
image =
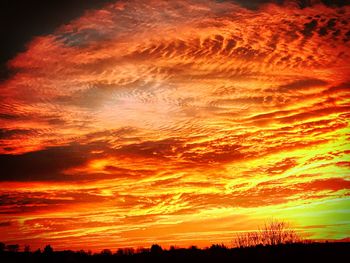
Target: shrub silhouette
column 272, row 233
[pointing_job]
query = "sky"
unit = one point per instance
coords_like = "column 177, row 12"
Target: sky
column 128, row 123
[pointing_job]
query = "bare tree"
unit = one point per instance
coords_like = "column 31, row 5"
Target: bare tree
column 277, row 232
column 274, row 232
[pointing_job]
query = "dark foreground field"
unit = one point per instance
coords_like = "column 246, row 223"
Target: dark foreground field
column 313, row 252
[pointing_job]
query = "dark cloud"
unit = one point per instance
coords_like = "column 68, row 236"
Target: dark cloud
column 331, row 27
column 254, row 4
column 7, row 134
column 7, row 116
column 243, row 100
column 5, row 224
column 313, row 113
column 347, row 36
column 302, row 84
column 281, row 167
column 224, row 154
column 31, row 201
column 23, row 20
column 49, row 198
column 122, row 132
column 335, row 2
column 309, row 28
column 173, row 148
column 332, row 184
column 153, row 149
column 44, row 165
column 341, row 88
column 82, row 38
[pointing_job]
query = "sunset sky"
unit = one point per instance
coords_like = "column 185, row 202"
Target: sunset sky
column 128, row 123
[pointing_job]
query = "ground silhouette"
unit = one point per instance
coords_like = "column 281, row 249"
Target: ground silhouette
column 295, row 252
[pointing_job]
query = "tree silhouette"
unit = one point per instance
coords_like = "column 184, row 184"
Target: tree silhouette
column 106, row 252
column 194, row 248
column 120, row 252
column 217, row 247
column 27, row 248
column 12, row 248
column 278, row 232
column 37, row 252
column 156, row 249
column 2, row 246
column 125, row 251
column 48, row 249
column 272, row 233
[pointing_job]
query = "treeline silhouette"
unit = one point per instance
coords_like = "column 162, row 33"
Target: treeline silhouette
column 295, row 252
column 274, row 242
